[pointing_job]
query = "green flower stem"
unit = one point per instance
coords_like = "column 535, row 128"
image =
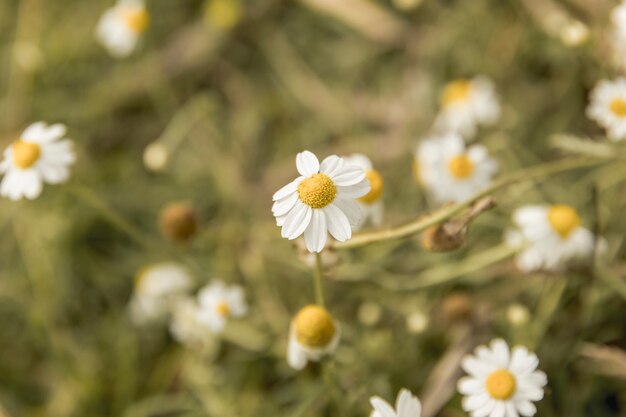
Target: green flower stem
column 317, row 280
column 445, row 213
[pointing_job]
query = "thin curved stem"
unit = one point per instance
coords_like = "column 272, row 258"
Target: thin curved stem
column 448, row 212
column 317, row 280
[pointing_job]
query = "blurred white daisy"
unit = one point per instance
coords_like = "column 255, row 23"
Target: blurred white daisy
column 548, row 237
column 313, row 333
column 39, row 156
column 121, row 27
column 219, row 302
column 157, row 289
column 372, row 202
column 608, row 107
column 321, row 200
column 501, row 383
column 467, row 104
column 407, row 405
column 450, row 171
column 185, row 326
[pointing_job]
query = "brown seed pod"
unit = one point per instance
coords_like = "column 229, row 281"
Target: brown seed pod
column 456, row 307
column 451, row 234
column 178, row 222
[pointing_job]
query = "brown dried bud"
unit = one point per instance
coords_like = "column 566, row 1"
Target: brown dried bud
column 439, row 239
column 178, row 222
column 456, row 307
column 450, row 235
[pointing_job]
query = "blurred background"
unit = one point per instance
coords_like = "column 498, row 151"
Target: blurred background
column 229, row 91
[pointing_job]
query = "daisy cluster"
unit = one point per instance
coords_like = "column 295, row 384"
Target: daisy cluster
column 162, row 292
column 501, row 382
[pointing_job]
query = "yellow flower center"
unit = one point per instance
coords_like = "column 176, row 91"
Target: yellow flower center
column 317, row 191
column 563, row 219
column 376, row 187
column 455, row 92
column 223, row 309
column 25, row 154
column 314, row 326
column 618, row 107
column 136, row 18
column 501, row 384
column 460, row 167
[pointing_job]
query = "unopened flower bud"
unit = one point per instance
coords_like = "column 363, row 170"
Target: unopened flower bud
column 517, row 314
column 178, row 222
column 417, row 322
column 456, row 307
column 155, row 156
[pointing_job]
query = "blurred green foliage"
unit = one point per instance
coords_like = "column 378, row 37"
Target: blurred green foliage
column 234, row 106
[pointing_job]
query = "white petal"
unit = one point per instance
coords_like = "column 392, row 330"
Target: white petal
column 407, row 405
column 338, row 223
column 354, row 191
column 307, row 164
column 470, row 386
column 474, row 367
column 525, row 408
column 485, row 410
column 34, row 131
column 48, row 134
column 296, row 221
column 288, row 189
column 511, row 411
column 316, row 234
column 382, row 407
column 296, row 357
column 331, row 164
column 499, row 410
column 282, row 207
column 523, row 361
column 351, row 209
column 348, row 175
column 501, row 352
column 32, row 184
column 474, row 402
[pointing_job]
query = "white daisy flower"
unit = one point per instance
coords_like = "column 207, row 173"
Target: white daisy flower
column 618, row 19
column 39, row 156
column 407, row 405
column 218, row 302
column 157, row 288
column 608, row 107
column 321, row 200
column 121, row 27
column 312, row 334
column 371, row 203
column 450, row 171
column 549, row 237
column 185, row 326
column 501, row 383
column 466, row 104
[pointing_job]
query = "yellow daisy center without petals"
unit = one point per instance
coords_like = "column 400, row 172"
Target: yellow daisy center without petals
column 618, row 107
column 136, row 18
column 223, row 309
column 317, row 191
column 455, row 92
column 563, row 219
column 376, row 187
column 501, row 384
column 25, row 154
column 314, row 326
column 460, row 167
